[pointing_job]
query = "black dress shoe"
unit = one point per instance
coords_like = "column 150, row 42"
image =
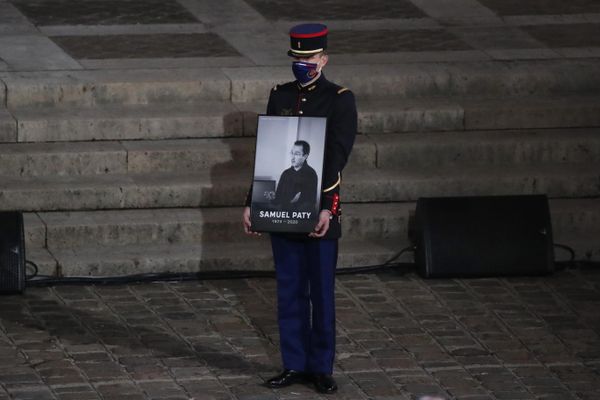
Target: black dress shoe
column 286, row 378
column 324, row 383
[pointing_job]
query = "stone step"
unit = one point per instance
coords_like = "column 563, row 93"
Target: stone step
column 410, row 80
column 35, row 231
column 248, row 84
column 8, row 127
column 214, row 119
column 219, row 119
column 524, row 113
column 575, row 145
column 371, row 221
column 2, row 93
column 252, row 255
column 508, row 147
column 445, row 114
column 167, row 226
column 228, row 188
column 62, row 159
column 46, row 263
column 35, row 245
column 123, row 191
column 114, row 87
column 409, row 115
column 206, row 119
column 576, row 217
column 454, row 114
column 410, row 183
column 115, row 157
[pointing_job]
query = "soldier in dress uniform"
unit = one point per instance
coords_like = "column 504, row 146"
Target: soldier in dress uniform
column 305, row 265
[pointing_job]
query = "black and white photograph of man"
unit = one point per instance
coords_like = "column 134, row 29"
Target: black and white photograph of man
column 287, row 173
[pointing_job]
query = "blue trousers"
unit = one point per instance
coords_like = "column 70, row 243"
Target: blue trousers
column 306, row 302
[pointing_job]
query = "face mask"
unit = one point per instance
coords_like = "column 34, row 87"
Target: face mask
column 304, row 72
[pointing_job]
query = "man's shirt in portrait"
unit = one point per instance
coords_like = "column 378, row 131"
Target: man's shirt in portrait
column 292, row 182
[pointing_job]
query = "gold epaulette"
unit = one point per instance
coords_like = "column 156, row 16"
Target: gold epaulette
column 342, row 90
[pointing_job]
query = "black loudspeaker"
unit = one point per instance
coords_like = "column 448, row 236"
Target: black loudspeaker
column 483, row 236
column 12, row 253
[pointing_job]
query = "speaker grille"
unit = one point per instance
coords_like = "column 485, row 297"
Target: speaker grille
column 12, row 253
column 484, row 236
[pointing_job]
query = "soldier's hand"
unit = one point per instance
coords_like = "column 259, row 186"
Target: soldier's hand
column 323, row 225
column 246, row 222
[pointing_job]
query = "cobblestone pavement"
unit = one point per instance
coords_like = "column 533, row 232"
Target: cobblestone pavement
column 566, row 35
column 381, row 41
column 334, row 9
column 149, row 46
column 399, row 337
column 520, row 7
column 105, row 12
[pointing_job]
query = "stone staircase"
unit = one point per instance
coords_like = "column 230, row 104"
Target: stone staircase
column 123, row 172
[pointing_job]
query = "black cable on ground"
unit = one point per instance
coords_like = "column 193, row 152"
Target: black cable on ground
column 35, row 269
column 380, row 267
column 572, row 263
column 568, row 249
column 150, row 277
column 389, row 265
column 586, row 265
column 212, row 275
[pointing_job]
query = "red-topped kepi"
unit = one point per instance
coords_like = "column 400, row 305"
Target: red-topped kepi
column 307, row 39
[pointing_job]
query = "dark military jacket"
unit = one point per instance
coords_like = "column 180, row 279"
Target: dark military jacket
column 323, row 99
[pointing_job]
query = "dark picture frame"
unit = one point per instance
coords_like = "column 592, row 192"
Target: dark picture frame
column 288, row 173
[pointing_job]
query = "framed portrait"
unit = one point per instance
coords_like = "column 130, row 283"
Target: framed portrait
column 288, row 172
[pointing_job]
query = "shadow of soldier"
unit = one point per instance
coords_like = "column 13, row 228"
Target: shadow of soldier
column 44, row 328
column 224, row 245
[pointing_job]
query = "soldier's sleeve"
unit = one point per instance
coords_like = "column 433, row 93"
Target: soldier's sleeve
column 248, row 200
column 270, row 111
column 342, row 131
